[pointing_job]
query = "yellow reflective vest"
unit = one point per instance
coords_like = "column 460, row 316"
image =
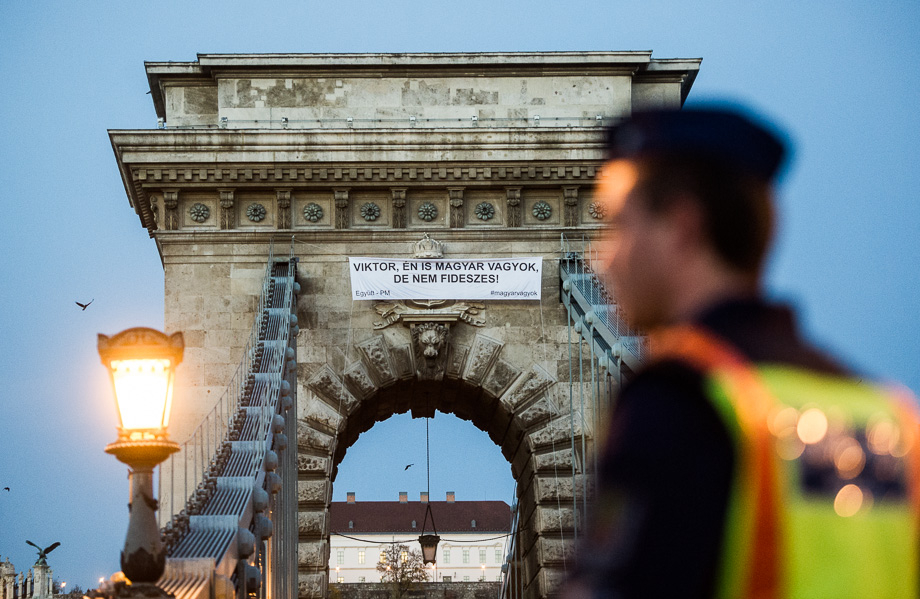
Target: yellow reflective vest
column 824, row 500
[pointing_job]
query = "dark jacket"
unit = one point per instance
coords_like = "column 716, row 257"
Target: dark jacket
column 666, row 470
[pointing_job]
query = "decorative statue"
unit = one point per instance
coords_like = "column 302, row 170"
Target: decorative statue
column 43, row 553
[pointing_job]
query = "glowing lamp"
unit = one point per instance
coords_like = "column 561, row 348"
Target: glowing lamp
column 141, row 364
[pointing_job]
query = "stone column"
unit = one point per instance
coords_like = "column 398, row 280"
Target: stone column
column 399, row 207
column 341, row 208
column 284, row 208
column 513, row 195
column 571, row 206
column 226, row 208
column 171, row 204
column 456, row 207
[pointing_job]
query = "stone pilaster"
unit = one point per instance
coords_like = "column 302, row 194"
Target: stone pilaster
column 513, row 195
column 571, row 205
column 456, row 207
column 341, row 208
column 399, row 207
column 284, row 208
column 226, row 208
column 171, row 205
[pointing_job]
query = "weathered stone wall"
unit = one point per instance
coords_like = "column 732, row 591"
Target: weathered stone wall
column 412, row 160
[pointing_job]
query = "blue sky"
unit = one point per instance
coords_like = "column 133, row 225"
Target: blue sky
column 839, row 77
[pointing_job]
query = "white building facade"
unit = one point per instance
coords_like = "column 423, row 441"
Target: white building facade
column 474, row 537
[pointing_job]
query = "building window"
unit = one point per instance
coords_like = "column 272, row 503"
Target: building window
column 498, row 578
column 413, row 524
column 472, row 524
column 383, row 556
column 403, row 556
column 466, row 579
column 340, row 557
column 361, row 578
column 498, row 556
column 466, row 555
column 360, row 557
column 340, row 579
column 351, row 524
column 482, row 556
column 447, row 579
column 446, row 557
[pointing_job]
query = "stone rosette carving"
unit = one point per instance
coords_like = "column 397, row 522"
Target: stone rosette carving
column 313, row 212
column 370, row 211
column 427, row 212
column 597, row 210
column 542, row 210
column 484, row 211
column 198, row 212
column 256, row 213
column 429, row 340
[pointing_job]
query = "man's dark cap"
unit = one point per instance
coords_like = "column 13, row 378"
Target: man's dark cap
column 722, row 134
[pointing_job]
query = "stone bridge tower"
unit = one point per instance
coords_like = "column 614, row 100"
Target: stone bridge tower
column 387, row 155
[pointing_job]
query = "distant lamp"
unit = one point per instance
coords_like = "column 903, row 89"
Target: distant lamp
column 430, row 542
column 141, row 364
column 429, row 545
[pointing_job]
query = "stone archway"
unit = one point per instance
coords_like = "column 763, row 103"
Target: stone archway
column 438, row 365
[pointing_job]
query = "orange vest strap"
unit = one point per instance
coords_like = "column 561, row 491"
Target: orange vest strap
column 752, row 403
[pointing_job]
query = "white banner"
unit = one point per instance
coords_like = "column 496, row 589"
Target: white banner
column 498, row 279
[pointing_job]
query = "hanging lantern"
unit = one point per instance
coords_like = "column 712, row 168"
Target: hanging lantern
column 429, row 545
column 430, row 542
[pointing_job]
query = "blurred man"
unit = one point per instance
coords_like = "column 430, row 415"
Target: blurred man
column 740, row 462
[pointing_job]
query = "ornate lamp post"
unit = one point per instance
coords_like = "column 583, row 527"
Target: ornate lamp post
column 141, row 363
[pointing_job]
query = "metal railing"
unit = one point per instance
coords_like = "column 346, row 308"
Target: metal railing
column 198, row 453
column 243, row 472
column 578, row 271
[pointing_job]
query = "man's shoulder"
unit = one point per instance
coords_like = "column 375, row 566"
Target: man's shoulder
column 766, row 333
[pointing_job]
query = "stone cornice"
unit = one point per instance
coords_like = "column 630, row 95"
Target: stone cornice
column 328, row 176
column 354, row 145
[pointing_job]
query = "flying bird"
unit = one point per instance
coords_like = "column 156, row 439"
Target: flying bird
column 43, row 553
column 407, row 467
column 86, row 305
column 6, row 488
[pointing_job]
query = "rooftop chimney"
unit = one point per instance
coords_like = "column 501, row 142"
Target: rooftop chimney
column 403, row 497
column 424, row 497
column 350, row 497
column 450, row 497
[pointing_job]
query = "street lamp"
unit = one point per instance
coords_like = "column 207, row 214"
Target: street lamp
column 142, row 363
